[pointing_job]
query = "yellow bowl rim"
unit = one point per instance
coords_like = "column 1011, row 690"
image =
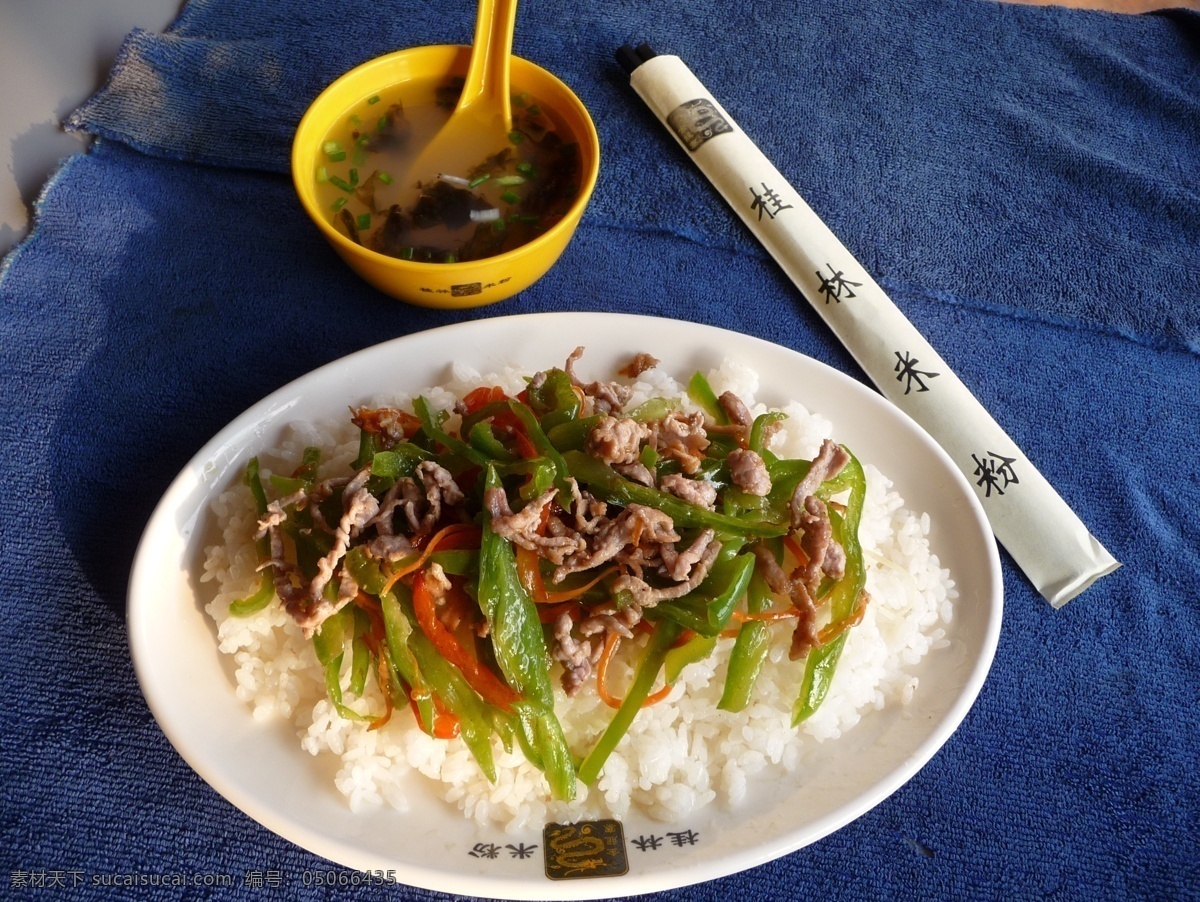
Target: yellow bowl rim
column 552, row 234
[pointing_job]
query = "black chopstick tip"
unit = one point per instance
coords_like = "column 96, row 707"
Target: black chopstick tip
column 632, row 57
column 628, row 59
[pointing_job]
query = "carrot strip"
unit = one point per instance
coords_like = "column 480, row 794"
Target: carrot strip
column 441, row 537
column 761, row 617
column 445, row 724
column 766, row 616
column 568, row 594
column 481, row 679
column 548, row 613
column 798, row 552
column 610, row 648
column 832, row 630
column 531, row 576
column 658, row 696
column 385, row 677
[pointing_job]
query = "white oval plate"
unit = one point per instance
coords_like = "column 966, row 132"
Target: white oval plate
column 262, row 770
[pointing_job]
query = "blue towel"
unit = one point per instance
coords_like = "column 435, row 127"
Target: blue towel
column 1023, row 181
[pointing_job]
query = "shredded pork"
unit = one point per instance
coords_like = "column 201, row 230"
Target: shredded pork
column 311, row 608
column 617, row 441
column 749, row 472
column 699, row 492
column 605, row 397
column 682, row 437
column 826, row 465
column 524, row 527
column 640, row 363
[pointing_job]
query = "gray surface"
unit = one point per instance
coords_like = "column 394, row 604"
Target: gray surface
column 53, row 55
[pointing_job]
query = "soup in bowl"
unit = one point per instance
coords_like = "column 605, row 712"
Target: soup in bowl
column 485, row 227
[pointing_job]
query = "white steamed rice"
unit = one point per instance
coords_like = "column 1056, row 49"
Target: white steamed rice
column 680, row 755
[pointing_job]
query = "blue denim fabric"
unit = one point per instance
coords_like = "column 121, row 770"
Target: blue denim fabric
column 1024, row 182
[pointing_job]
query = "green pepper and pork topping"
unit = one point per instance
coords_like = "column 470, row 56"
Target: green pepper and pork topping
column 472, row 557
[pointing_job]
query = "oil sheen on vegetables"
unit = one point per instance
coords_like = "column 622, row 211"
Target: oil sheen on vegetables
column 495, row 204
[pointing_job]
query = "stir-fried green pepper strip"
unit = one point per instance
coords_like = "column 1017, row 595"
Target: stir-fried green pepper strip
column 484, row 440
column 758, row 429
column 460, row 562
column 536, row 435
column 695, row 649
column 571, row 436
column 605, row 483
column 310, row 462
column 652, row 409
column 542, row 475
column 822, row 660
column 285, row 485
column 396, row 630
column 786, row 475
column 554, row 401
column 520, row 648
column 523, row 717
column 661, row 640
column 367, row 449
column 504, row 725
column 304, row 476
column 360, row 660
column 493, row 451
column 550, row 751
column 750, row 648
column 329, row 642
column 515, row 630
column 457, row 695
column 398, row 461
column 418, row 663
column 252, row 604
column 435, row 432
column 704, row 397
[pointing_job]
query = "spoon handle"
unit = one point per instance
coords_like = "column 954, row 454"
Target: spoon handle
column 487, row 81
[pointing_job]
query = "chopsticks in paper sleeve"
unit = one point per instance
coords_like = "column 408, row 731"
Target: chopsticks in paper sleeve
column 1029, row 518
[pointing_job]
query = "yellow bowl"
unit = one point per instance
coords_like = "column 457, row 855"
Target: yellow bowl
column 450, row 285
